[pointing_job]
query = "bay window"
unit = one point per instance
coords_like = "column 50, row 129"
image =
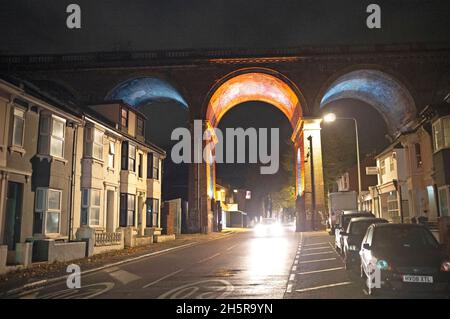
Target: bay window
column 94, row 143
column 152, row 166
column 51, row 135
column 90, row 207
column 47, row 211
column 128, row 156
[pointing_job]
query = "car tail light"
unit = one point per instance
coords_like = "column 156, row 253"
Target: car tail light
column 446, row 266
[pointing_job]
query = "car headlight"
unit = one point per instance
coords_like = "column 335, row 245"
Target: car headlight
column 353, row 247
column 382, row 264
column 445, row 266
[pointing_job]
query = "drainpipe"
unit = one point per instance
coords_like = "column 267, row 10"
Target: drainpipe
column 72, row 179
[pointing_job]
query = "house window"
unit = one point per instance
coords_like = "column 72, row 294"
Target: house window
column 90, row 207
column 140, row 165
column 418, row 155
column 94, row 143
column 382, row 169
column 111, row 154
column 128, row 157
column 153, row 166
column 51, row 135
column 152, row 212
column 444, row 200
column 441, row 133
column 391, row 163
column 47, row 211
column 392, row 205
column 124, row 118
column 18, row 127
column 127, row 209
column 140, row 127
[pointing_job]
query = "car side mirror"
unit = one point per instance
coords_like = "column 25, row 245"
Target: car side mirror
column 366, row 246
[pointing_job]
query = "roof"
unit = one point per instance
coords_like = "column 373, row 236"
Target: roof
column 397, row 225
column 363, row 219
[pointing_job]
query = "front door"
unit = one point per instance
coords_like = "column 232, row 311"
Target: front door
column 13, row 214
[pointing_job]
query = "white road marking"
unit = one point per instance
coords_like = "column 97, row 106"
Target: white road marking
column 323, row 243
column 316, row 260
column 316, row 248
column 296, row 262
column 294, row 268
column 325, row 286
column 230, row 248
column 208, row 258
column 162, row 278
column 318, row 271
column 289, row 288
column 321, row 253
column 292, row 277
column 124, row 276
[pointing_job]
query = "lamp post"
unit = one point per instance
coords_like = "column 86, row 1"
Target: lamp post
column 331, row 117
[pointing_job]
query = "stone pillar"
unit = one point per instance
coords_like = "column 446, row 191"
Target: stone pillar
column 200, row 214
column 311, row 128
column 23, row 253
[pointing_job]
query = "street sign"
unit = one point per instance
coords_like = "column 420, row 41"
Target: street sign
column 371, row 170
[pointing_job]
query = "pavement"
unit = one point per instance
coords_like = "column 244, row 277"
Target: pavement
column 241, row 265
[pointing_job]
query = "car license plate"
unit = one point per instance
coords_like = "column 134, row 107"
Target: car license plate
column 418, row 279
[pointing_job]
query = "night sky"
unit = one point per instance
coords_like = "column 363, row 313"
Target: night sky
column 30, row 26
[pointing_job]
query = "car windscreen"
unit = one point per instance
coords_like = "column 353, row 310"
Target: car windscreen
column 360, row 228
column 404, row 237
column 347, row 218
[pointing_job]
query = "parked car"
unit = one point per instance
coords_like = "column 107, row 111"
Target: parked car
column 403, row 257
column 344, row 220
column 353, row 237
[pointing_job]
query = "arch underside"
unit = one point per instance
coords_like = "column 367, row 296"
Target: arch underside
column 254, row 87
column 388, row 96
column 140, row 91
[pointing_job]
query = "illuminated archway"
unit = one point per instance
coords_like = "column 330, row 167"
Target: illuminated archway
column 378, row 89
column 257, row 85
column 142, row 90
column 254, row 86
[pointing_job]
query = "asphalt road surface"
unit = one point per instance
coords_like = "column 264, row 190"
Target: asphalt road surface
column 242, row 265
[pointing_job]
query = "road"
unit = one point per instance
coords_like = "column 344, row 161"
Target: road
column 242, row 265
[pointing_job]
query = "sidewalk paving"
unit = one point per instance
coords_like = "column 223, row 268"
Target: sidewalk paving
column 44, row 271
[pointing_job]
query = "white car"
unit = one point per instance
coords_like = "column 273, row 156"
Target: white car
column 268, row 227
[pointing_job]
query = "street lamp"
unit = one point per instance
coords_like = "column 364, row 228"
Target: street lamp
column 331, row 117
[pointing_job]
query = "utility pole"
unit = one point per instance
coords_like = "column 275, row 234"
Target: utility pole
column 313, row 183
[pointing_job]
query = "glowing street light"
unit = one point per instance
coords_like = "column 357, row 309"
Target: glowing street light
column 331, row 117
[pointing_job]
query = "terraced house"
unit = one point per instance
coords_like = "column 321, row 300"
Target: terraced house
column 74, row 181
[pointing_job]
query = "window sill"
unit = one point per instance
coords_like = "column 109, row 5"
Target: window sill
column 94, row 160
column 50, row 158
column 17, row 149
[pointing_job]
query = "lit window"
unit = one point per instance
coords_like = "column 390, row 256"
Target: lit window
column 391, row 163
column 111, row 153
column 51, row 135
column 132, row 157
column 18, row 127
column 90, row 207
column 47, row 211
